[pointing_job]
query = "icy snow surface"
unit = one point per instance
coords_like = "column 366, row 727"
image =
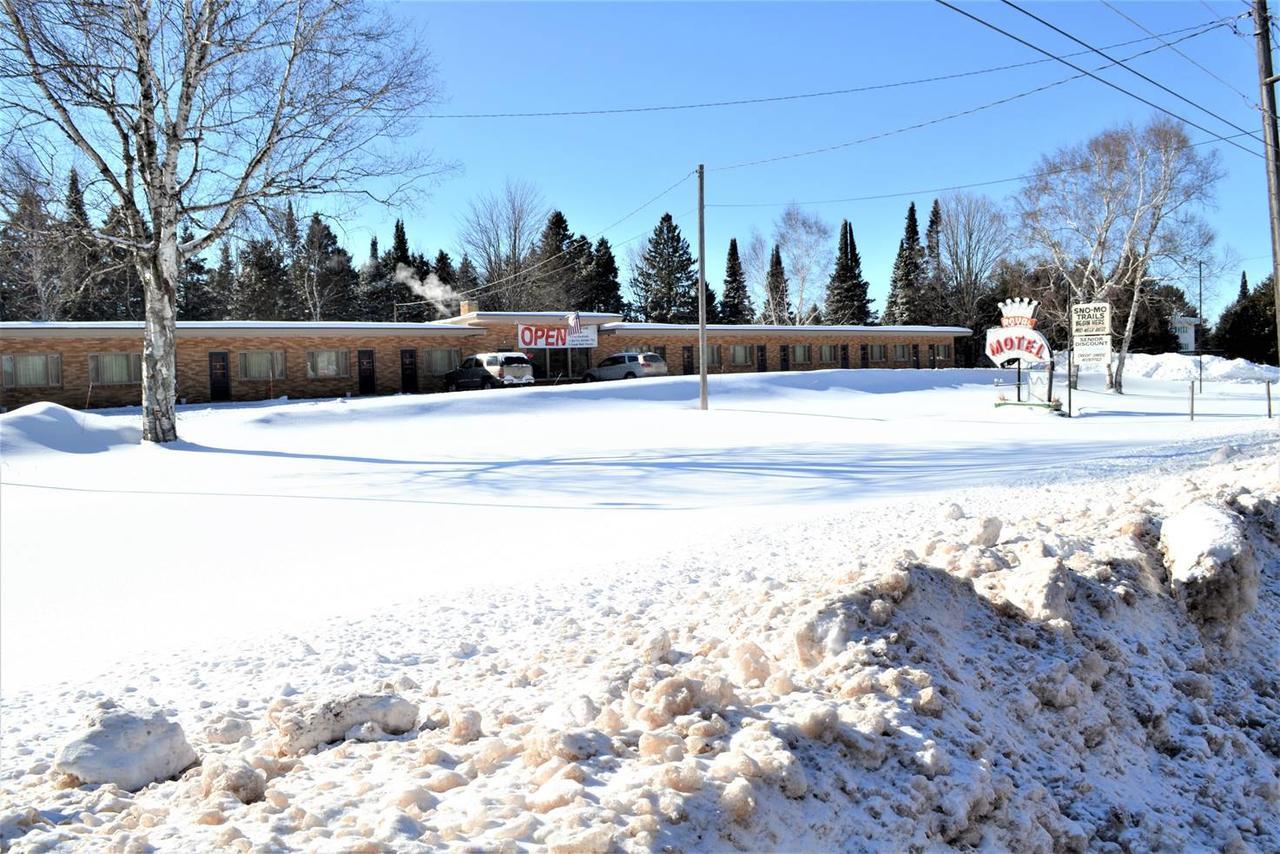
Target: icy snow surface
column 841, row 610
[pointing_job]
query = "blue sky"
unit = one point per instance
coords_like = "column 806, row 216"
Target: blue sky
column 498, row 57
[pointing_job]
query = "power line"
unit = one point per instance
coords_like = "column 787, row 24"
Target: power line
column 549, row 259
column 934, row 190
column 612, row 111
column 1185, row 56
column 944, row 118
column 1102, row 80
column 1130, row 69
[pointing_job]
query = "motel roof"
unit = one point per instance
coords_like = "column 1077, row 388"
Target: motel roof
column 593, row 318
column 784, row 329
column 227, row 328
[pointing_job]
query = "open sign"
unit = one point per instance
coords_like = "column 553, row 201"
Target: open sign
column 529, row 335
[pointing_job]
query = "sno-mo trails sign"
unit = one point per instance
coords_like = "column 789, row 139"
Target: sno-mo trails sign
column 1017, row 339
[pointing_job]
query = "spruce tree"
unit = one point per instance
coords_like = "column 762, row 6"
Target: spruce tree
column 735, row 303
column 777, row 299
column 468, row 278
column 603, row 292
column 222, row 283
column 903, row 307
column 196, row 300
column 262, row 286
column 665, row 280
column 554, row 267
column 325, row 278
column 1244, row 287
column 847, row 300
column 80, row 262
column 399, row 246
column 118, row 290
column 933, row 304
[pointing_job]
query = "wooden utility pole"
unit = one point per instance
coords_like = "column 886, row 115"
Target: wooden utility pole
column 702, row 295
column 1267, row 80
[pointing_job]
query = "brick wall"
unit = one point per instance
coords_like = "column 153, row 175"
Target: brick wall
column 193, row 366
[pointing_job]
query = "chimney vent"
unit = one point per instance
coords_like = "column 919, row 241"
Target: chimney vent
column 468, row 307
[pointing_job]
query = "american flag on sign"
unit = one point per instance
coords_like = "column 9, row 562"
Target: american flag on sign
column 575, row 323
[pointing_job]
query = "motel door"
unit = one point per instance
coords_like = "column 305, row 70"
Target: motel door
column 409, row 371
column 915, row 355
column 933, row 356
column 686, row 359
column 219, row 377
column 762, row 358
column 364, row 367
column 864, row 355
column 844, row 356
column 784, row 357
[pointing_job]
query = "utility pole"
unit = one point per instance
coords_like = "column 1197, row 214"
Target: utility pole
column 1200, row 322
column 1267, row 80
column 702, row 295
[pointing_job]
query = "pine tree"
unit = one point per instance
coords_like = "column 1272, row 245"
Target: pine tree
column 118, row 290
column 222, row 284
column 903, row 306
column 735, row 304
column 31, row 287
column 196, row 300
column 373, row 249
column 933, row 304
column 777, row 299
column 399, row 245
column 554, row 268
column 262, row 286
column 1244, row 287
column 80, row 263
column 665, row 280
column 468, row 278
column 847, row 300
column 324, row 275
column 603, row 292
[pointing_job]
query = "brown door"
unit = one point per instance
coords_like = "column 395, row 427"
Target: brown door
column 762, row 358
column 686, row 359
column 219, row 376
column 844, row 356
column 864, row 356
column 784, row 356
column 409, row 371
column 364, row 367
column 915, row 355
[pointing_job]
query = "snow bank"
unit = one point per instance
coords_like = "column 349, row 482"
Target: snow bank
column 124, row 748
column 1212, row 568
column 1178, row 366
column 40, row 427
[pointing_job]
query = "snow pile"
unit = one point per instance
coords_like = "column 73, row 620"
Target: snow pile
column 1036, row 684
column 125, row 749
column 1178, row 366
column 40, row 427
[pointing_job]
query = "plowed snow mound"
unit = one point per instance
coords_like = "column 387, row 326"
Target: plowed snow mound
column 1175, row 366
column 40, row 427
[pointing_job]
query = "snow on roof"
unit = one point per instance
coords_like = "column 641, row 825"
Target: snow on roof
column 231, row 326
column 597, row 317
column 785, row 328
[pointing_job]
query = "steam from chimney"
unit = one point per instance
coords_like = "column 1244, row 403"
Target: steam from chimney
column 442, row 297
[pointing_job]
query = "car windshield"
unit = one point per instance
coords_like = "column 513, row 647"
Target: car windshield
column 514, row 360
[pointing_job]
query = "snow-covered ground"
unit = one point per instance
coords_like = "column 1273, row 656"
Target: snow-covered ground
column 513, row 552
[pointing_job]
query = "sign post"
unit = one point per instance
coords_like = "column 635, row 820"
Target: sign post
column 1016, row 340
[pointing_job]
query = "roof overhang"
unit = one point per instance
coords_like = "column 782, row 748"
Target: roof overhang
column 787, row 331
column 540, row 318
column 232, row 329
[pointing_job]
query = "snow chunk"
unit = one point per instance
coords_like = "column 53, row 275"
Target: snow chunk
column 953, row 512
column 1212, row 568
column 227, row 729
column 126, row 749
column 302, row 727
column 234, row 776
column 1038, row 589
column 985, row 532
column 1223, row 454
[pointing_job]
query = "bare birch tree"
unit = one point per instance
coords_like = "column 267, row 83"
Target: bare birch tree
column 974, row 237
column 805, row 242
column 500, row 231
column 197, row 113
column 1119, row 211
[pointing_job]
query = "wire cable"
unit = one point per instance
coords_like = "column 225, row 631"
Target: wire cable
column 1102, row 80
column 612, row 111
column 938, row 119
column 1130, row 69
column 879, row 196
column 1205, row 69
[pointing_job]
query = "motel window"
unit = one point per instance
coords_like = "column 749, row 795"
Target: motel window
column 32, row 371
column 442, row 360
column 901, row 352
column 828, row 353
column 800, row 354
column 741, row 354
column 943, row 351
column 322, row 364
column 878, row 352
column 714, row 359
column 115, row 368
column 262, row 365
column 661, row 351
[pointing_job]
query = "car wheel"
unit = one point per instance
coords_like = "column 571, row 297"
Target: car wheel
column 452, row 385
column 490, row 384
column 628, row 376
column 587, row 378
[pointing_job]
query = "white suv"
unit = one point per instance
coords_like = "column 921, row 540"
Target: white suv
column 490, row 370
column 627, row 366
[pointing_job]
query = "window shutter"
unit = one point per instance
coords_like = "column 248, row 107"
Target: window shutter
column 277, row 364
column 342, row 363
column 55, row 370
column 8, row 379
column 94, row 371
column 135, row 367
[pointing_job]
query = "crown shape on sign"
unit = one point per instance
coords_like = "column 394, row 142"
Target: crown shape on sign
column 1019, row 311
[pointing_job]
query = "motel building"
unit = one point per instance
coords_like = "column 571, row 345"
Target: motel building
column 99, row 364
